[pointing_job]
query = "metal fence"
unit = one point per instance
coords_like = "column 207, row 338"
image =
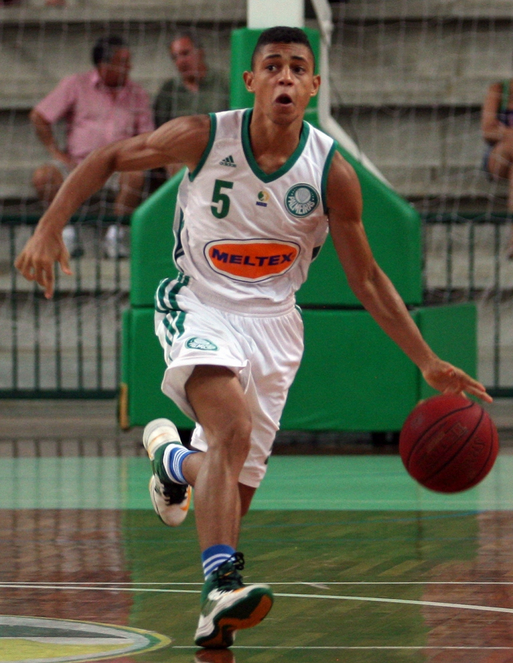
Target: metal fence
column 70, row 346
column 465, row 260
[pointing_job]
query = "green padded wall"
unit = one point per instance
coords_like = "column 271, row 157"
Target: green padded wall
column 452, row 333
column 143, row 370
column 352, row 377
column 152, row 242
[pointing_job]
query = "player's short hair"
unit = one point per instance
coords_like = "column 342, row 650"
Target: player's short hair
column 105, row 47
column 281, row 34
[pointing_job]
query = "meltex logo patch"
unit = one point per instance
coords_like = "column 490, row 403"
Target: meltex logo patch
column 251, row 260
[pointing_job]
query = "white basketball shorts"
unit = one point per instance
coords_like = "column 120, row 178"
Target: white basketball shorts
column 264, row 351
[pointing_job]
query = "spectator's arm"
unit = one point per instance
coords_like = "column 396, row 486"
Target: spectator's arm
column 58, row 104
column 45, row 134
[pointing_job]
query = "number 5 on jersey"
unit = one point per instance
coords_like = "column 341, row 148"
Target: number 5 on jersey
column 221, row 200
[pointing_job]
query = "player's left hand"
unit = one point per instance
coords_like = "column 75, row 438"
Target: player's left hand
column 36, row 261
column 448, row 379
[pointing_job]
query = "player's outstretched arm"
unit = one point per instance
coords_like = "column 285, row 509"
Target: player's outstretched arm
column 182, row 140
column 375, row 290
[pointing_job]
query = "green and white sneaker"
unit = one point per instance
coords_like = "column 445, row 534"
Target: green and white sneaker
column 170, row 500
column 227, row 605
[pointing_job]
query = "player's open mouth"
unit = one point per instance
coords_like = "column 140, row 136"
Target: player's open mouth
column 284, row 100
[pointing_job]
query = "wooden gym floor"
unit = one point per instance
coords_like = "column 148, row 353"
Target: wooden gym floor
column 366, row 566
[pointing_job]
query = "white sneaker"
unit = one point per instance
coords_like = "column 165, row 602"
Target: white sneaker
column 115, row 244
column 70, row 239
column 170, row 500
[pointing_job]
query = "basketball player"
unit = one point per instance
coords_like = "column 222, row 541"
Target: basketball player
column 262, row 190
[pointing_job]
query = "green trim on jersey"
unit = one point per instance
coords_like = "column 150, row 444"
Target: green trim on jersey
column 178, row 251
column 204, row 156
column 174, row 326
column 165, row 302
column 248, row 153
column 325, row 173
column 163, row 293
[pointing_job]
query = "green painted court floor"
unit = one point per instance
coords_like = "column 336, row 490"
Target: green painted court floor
column 292, row 483
column 365, row 565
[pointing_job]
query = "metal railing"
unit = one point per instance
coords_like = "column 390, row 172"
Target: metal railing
column 70, row 346
column 465, row 259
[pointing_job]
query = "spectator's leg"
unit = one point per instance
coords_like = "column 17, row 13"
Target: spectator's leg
column 129, row 195
column 130, row 190
column 47, row 180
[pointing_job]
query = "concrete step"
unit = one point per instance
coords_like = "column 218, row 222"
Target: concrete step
column 374, row 64
column 390, row 10
column 91, row 11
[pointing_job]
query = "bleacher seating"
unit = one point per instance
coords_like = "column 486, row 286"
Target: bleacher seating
column 408, row 79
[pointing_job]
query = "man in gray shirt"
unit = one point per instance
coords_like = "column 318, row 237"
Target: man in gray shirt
column 198, row 91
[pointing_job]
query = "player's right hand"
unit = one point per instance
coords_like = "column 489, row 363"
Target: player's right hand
column 36, row 261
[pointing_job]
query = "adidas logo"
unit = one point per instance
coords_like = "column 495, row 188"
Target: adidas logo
column 228, row 162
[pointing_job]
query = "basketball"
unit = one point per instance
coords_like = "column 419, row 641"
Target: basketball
column 448, row 443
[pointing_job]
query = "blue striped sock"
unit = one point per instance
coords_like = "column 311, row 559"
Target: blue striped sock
column 173, row 458
column 214, row 556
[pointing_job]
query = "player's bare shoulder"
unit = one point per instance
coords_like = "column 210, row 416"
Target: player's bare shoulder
column 343, row 192
column 183, row 139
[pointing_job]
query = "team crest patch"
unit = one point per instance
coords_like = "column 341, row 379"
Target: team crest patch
column 301, row 200
column 200, row 344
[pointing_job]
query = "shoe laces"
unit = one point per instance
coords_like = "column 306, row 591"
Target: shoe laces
column 227, row 576
column 173, row 493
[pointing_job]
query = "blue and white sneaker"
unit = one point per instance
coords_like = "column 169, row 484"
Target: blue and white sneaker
column 170, row 500
column 227, row 605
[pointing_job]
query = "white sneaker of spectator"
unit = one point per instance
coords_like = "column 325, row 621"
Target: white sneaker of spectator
column 115, row 244
column 71, row 241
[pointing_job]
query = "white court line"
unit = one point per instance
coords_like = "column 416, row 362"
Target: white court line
column 372, row 599
column 342, row 647
column 317, row 583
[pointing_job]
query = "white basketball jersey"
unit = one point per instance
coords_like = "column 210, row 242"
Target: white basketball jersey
column 244, row 236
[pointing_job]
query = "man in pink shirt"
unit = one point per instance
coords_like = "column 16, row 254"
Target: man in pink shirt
column 99, row 106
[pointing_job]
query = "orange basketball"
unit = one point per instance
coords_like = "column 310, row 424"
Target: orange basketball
column 448, row 443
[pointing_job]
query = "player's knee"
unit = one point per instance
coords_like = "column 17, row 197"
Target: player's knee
column 239, row 437
column 46, row 182
column 234, row 439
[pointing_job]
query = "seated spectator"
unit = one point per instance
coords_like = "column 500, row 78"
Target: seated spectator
column 497, row 131
column 99, row 106
column 196, row 91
